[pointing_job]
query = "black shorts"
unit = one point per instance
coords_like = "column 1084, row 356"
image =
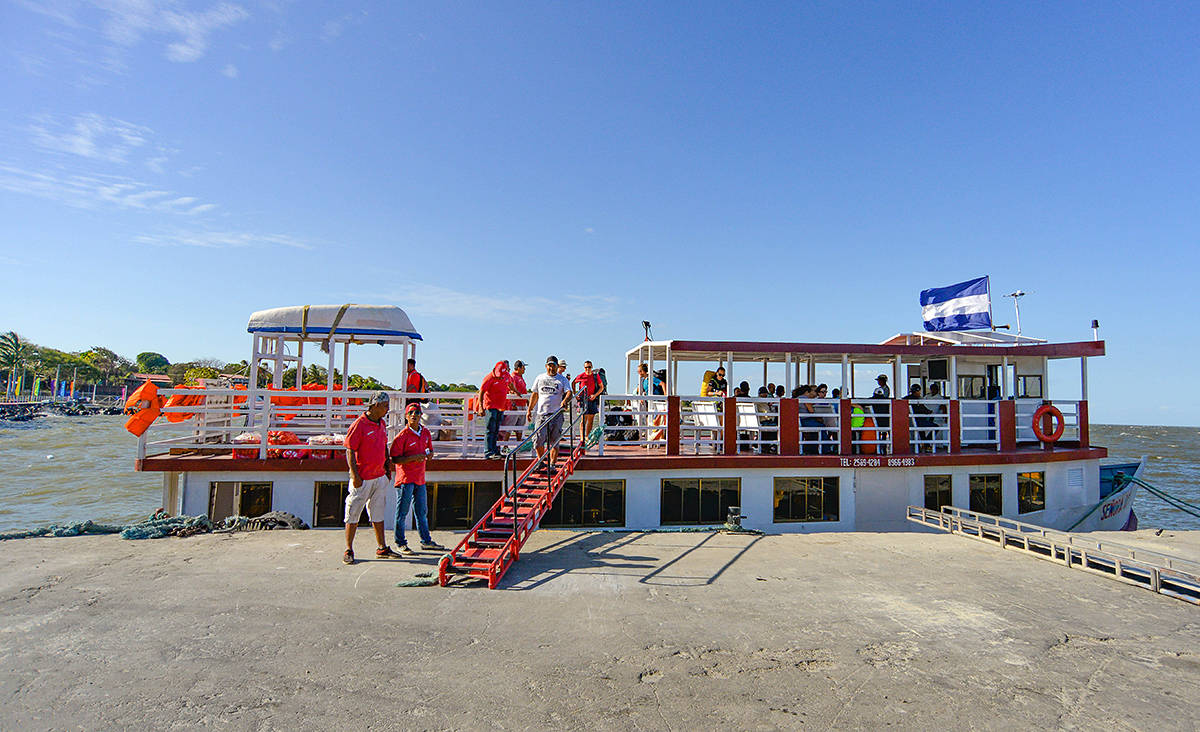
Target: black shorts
column 592, row 406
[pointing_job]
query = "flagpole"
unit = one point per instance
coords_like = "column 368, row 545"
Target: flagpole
column 990, row 318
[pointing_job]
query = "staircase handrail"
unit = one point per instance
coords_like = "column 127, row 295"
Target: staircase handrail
column 509, row 488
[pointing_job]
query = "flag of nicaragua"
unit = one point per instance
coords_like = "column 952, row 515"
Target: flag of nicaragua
column 965, row 306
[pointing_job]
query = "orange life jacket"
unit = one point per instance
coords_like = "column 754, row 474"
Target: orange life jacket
column 184, row 400
column 145, row 405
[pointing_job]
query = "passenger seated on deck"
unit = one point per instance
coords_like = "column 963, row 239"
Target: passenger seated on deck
column 717, row 386
column 808, row 418
column 779, row 391
column 914, row 393
column 767, row 418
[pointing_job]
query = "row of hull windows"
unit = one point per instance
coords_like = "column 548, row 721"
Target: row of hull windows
column 985, row 494
column 457, row 505
column 598, row 503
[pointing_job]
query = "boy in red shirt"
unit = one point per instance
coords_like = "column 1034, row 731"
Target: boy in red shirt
column 411, row 449
column 370, row 469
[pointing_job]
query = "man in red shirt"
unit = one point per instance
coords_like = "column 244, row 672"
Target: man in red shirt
column 370, row 469
column 411, row 449
column 589, row 387
column 414, row 383
column 493, row 400
column 520, row 389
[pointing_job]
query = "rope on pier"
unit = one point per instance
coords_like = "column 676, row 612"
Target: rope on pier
column 161, row 524
column 420, row 579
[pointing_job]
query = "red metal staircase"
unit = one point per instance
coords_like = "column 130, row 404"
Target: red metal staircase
column 490, row 548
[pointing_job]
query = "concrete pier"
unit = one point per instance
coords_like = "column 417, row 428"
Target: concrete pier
column 613, row 631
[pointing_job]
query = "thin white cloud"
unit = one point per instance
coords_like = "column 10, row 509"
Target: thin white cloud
column 93, row 191
column 89, row 135
column 99, row 33
column 221, row 240
column 230, row 70
column 194, row 29
column 333, row 29
column 436, row 300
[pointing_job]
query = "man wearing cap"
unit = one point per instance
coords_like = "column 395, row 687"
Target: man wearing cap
column 545, row 398
column 519, row 388
column 411, row 449
column 883, row 412
column 370, row 469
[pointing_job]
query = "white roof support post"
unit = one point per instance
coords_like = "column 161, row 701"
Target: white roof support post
column 669, row 387
column 729, row 371
column 628, row 365
column 1045, row 378
column 277, row 381
column 812, row 371
column 845, row 378
column 851, row 394
column 345, row 364
column 953, row 378
column 1004, row 378
column 897, row 385
column 1083, row 377
column 787, row 374
column 300, row 364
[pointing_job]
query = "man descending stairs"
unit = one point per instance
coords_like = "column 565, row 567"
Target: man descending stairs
column 490, row 548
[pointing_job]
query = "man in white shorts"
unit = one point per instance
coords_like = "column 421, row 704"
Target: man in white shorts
column 370, row 475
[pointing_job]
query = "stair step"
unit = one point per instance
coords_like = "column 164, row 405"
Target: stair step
column 488, row 543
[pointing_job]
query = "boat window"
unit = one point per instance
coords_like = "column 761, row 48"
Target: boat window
column 972, row 387
column 985, row 494
column 329, row 504
column 588, row 503
column 806, row 499
column 698, row 500
column 938, row 492
column 1029, row 387
column 1031, row 492
column 227, row 498
column 454, row 505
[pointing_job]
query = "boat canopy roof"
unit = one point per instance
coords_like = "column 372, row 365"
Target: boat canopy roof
column 778, row 352
column 351, row 323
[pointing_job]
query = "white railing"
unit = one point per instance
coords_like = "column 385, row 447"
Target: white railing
column 820, row 428
column 979, row 422
column 702, row 425
column 633, row 420
column 929, row 425
column 871, row 430
column 1026, row 409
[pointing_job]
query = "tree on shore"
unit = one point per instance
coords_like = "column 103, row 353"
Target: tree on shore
column 149, row 362
column 15, row 355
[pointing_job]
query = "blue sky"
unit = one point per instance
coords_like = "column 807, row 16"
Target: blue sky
column 541, row 177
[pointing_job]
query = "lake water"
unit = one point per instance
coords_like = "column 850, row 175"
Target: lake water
column 65, row 469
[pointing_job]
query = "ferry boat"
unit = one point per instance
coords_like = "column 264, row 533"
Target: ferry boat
column 673, row 459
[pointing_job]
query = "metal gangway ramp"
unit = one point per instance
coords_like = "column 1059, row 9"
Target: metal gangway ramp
column 1162, row 573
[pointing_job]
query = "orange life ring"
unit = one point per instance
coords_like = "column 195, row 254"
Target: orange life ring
column 1060, row 423
column 869, row 435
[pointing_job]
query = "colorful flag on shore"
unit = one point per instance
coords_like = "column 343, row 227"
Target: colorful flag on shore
column 963, row 306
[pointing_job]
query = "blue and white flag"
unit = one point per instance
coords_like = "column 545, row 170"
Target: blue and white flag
column 965, row 306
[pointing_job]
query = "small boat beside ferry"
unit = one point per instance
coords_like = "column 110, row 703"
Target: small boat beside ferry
column 993, row 439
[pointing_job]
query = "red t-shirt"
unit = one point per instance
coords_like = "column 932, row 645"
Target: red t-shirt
column 591, row 384
column 368, row 440
column 519, row 385
column 495, row 391
column 407, row 444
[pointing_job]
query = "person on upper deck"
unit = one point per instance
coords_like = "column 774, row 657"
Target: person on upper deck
column 914, row 394
column 882, row 391
column 414, row 382
column 562, row 370
column 780, row 391
column 546, row 396
column 367, row 458
column 589, row 387
column 520, row 389
column 717, row 385
column 493, row 400
column 809, row 419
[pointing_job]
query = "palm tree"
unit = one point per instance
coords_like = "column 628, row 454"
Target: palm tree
column 14, row 353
